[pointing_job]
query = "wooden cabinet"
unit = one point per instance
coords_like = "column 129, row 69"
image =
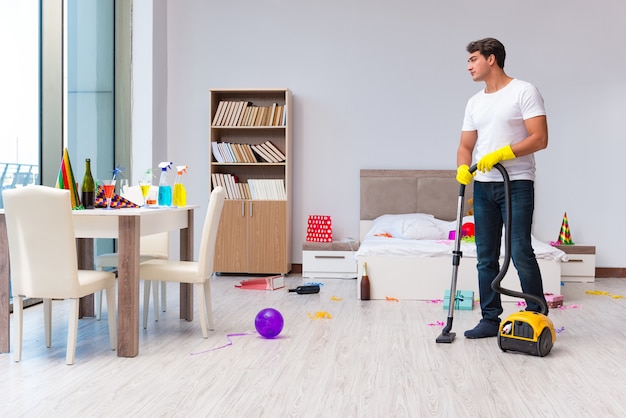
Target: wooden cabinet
column 255, row 230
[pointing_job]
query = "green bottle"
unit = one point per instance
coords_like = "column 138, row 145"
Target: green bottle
column 88, row 188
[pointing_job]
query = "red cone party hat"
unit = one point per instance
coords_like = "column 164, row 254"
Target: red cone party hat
column 564, row 236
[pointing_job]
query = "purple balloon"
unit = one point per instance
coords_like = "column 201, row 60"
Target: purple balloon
column 269, row 322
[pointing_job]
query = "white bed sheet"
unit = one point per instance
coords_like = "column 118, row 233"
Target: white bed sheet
column 376, row 245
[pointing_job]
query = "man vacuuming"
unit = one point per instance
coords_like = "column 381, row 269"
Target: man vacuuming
column 504, row 123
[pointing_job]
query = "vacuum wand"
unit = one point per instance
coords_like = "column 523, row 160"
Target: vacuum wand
column 446, row 336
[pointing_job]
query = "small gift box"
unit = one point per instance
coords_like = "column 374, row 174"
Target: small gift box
column 263, row 283
column 319, row 229
column 464, row 300
column 554, row 301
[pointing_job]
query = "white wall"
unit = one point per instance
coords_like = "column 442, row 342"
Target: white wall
column 384, row 84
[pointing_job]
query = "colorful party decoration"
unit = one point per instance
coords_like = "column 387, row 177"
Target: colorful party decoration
column 467, row 230
column 66, row 180
column 117, row 201
column 565, row 237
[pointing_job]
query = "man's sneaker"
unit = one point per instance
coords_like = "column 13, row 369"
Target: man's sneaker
column 484, row 329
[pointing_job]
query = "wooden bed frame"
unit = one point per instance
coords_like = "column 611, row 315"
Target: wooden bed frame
column 425, row 278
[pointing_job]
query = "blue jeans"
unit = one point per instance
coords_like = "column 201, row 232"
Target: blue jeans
column 489, row 216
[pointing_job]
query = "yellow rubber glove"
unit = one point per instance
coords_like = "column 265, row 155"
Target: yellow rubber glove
column 463, row 175
column 488, row 161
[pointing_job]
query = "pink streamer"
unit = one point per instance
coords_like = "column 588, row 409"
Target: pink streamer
column 225, row 345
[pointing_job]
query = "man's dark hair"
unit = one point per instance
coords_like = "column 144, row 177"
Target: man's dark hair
column 489, row 46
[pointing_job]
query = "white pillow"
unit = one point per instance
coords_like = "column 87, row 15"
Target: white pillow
column 408, row 226
column 426, row 229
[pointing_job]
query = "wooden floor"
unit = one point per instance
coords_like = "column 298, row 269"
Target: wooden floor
column 371, row 359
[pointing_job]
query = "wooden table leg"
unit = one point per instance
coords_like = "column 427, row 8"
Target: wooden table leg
column 5, row 282
column 128, row 287
column 186, row 254
column 84, row 250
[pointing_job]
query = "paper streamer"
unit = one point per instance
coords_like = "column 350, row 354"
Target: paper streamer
column 230, row 342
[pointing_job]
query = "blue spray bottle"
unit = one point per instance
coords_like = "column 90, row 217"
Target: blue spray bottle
column 165, row 190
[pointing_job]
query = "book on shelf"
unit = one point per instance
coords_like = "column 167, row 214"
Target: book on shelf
column 262, row 153
column 272, row 115
column 244, row 113
column 276, row 151
column 251, row 157
column 283, row 116
column 217, row 153
column 267, row 189
column 218, row 113
column 277, row 116
column 225, row 113
column 268, row 151
column 235, row 113
column 253, row 189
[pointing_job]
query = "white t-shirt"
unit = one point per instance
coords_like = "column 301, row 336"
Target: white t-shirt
column 499, row 120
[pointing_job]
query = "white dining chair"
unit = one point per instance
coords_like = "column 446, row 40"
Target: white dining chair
column 198, row 272
column 150, row 247
column 44, row 264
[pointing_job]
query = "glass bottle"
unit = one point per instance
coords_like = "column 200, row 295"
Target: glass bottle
column 88, row 188
column 365, row 284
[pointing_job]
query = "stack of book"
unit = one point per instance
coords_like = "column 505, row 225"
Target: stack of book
column 225, row 152
column 267, row 189
column 254, row 189
column 243, row 113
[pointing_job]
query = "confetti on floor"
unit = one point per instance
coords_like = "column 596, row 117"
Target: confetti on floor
column 435, row 301
column 320, row 315
column 437, row 324
column 335, row 298
column 602, row 293
column 391, row 299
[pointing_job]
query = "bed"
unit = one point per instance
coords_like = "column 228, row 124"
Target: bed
column 403, row 267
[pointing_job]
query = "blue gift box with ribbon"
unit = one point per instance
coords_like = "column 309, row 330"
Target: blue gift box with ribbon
column 464, row 300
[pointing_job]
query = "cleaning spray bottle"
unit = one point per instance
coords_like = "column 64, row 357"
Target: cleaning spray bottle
column 180, row 194
column 165, row 190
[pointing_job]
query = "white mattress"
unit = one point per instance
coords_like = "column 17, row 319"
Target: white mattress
column 376, row 245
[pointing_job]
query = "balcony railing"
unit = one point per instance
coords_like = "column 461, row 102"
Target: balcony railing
column 14, row 175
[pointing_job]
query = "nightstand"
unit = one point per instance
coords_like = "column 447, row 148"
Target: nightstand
column 581, row 266
column 329, row 259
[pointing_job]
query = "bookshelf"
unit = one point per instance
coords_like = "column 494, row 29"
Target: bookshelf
column 251, row 156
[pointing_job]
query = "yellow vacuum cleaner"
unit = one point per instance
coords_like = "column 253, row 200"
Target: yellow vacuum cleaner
column 525, row 332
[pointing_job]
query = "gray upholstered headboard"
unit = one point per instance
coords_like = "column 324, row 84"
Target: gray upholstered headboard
column 411, row 191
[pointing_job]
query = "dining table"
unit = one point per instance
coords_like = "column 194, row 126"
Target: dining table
column 126, row 225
